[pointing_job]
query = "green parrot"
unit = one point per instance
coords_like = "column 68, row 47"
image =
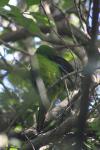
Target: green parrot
column 51, row 68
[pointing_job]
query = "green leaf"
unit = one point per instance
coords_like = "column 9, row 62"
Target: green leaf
column 18, row 81
column 13, row 148
column 69, row 56
column 40, row 18
column 68, row 3
column 32, row 2
column 18, row 17
column 31, row 25
column 3, row 2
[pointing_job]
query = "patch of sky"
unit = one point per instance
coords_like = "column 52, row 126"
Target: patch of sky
column 13, row 2
column 1, row 29
column 98, row 91
column 1, row 88
column 90, row 17
column 8, row 84
column 3, row 52
column 37, row 42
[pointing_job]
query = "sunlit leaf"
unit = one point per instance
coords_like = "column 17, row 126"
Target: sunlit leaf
column 69, row 56
column 40, row 18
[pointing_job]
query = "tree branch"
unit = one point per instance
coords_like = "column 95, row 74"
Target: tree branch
column 62, row 108
column 53, row 135
column 84, row 104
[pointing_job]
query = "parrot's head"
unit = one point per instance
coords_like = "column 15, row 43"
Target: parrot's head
column 46, row 51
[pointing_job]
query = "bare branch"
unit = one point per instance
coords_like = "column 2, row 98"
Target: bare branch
column 64, row 106
column 54, row 134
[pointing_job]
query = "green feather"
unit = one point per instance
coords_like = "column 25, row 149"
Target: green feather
column 52, row 67
column 50, row 73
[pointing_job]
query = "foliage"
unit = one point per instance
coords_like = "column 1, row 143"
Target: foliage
column 40, row 91
column 3, row 2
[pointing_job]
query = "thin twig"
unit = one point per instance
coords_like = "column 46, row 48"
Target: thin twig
column 63, row 78
column 29, row 141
